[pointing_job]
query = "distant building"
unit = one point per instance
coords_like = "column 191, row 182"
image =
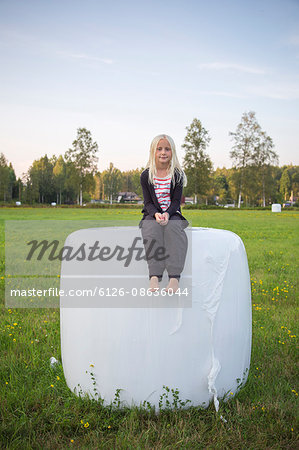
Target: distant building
column 127, row 197
column 187, row 200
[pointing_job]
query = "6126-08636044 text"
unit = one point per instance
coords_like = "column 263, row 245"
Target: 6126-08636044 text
column 97, row 291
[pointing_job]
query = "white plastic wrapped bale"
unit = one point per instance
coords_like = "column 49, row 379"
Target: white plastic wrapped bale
column 276, row 207
column 203, row 350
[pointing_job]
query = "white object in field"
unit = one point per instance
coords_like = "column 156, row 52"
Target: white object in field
column 53, row 361
column 203, row 351
column 53, row 204
column 18, row 203
column 276, row 207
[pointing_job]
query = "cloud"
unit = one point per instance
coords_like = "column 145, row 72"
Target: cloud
column 86, row 57
column 221, row 94
column 231, row 66
column 25, row 40
column 293, row 40
column 277, row 91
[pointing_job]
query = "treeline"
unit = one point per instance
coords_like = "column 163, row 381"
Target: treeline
column 67, row 179
column 254, row 180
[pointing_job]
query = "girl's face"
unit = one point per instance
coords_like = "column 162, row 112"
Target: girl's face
column 163, row 153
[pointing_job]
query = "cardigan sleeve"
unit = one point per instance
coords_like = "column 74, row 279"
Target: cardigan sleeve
column 148, row 201
column 176, row 197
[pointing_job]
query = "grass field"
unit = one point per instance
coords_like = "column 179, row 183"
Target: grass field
column 39, row 411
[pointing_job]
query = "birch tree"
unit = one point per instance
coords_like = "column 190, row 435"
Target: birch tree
column 83, row 156
column 285, row 184
column 112, row 181
column 59, row 172
column 246, row 139
column 263, row 156
column 197, row 163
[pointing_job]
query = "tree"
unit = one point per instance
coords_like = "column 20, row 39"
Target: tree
column 83, row 156
column 246, row 139
column 112, row 181
column 131, row 181
column 98, row 185
column 295, row 182
column 59, row 173
column 30, row 183
column 41, row 180
column 19, row 189
column 221, row 186
column 285, row 184
column 197, row 163
column 4, row 177
column 252, row 154
column 263, row 156
column 13, row 188
column 7, row 179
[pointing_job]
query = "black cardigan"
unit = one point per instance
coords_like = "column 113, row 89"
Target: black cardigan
column 151, row 204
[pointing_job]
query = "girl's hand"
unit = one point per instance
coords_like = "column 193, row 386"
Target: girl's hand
column 162, row 219
column 165, row 219
column 159, row 217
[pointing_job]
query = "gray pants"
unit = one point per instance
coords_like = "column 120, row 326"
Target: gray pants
column 165, row 246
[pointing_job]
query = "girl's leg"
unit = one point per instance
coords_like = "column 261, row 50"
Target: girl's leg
column 153, row 239
column 154, row 283
column 176, row 243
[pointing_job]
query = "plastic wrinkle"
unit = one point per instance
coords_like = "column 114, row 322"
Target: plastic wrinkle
column 179, row 321
column 212, row 378
column 211, row 307
column 212, row 302
column 215, row 369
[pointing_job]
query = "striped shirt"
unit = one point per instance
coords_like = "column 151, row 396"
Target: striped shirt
column 162, row 191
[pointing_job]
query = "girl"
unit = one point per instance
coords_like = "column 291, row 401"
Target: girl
column 162, row 225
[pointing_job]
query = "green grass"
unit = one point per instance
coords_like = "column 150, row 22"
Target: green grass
column 39, row 411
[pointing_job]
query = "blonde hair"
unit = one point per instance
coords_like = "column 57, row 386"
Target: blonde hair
column 174, row 163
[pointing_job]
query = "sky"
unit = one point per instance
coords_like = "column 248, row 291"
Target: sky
column 130, row 70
